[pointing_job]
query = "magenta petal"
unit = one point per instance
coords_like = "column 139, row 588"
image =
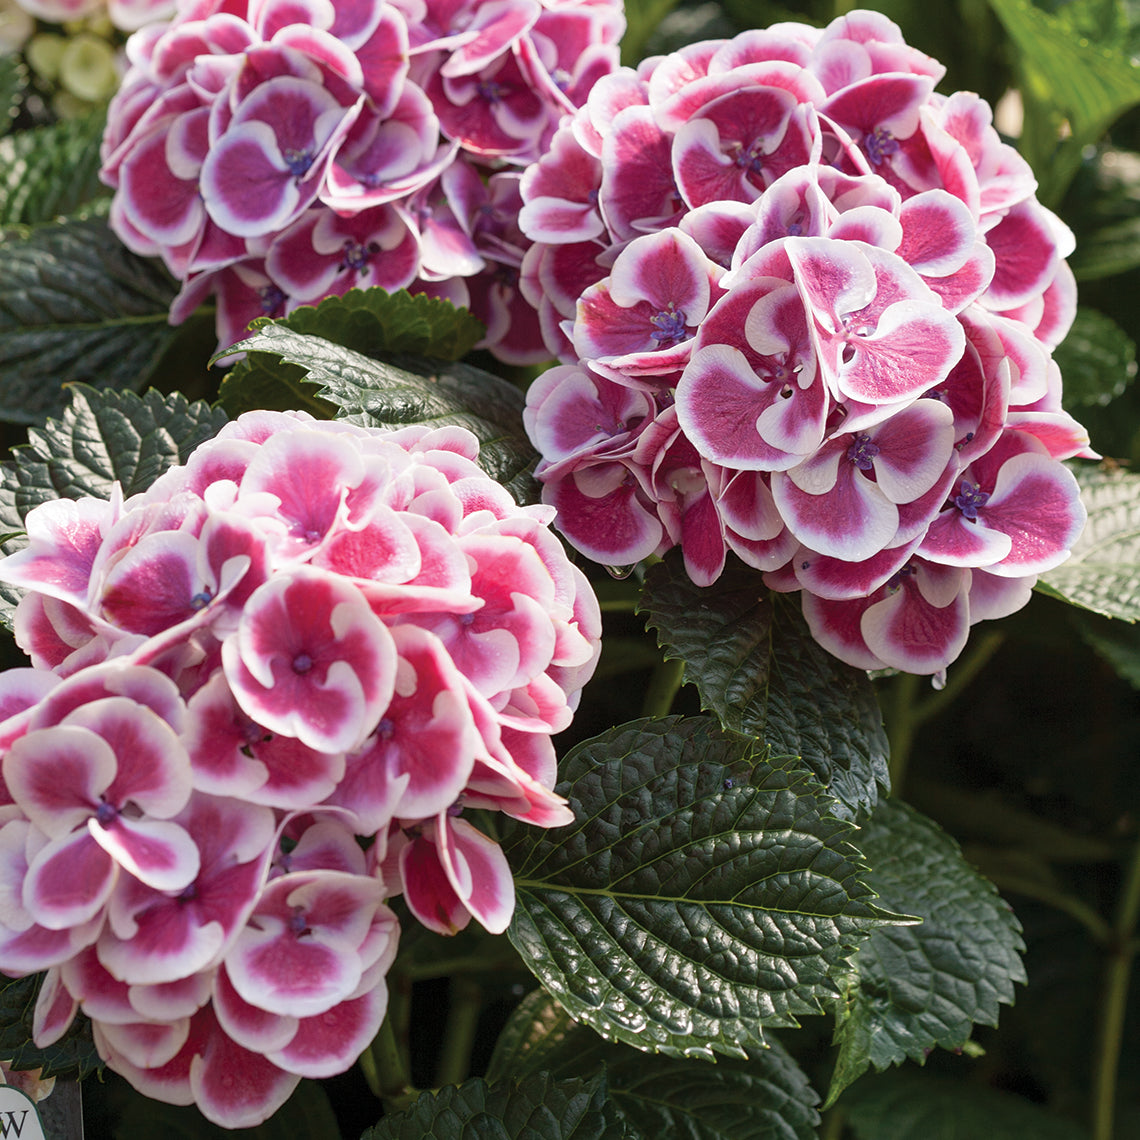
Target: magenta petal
column 328, row 1044
column 158, row 853
column 909, row 632
column 851, row 521
column 69, row 881
column 478, row 872
column 311, row 660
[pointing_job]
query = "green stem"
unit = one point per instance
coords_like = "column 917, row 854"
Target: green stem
column 1086, row 915
column 618, row 606
column 907, row 712
column 833, row 1124
column 1114, row 1000
column 901, row 726
column 459, row 1032
column 387, row 1073
column 663, row 687
column 960, row 676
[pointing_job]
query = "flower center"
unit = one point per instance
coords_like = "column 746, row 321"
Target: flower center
column 969, row 498
column 490, row 91
column 751, row 158
column 272, row 299
column 668, row 327
column 880, row 144
column 302, row 663
column 106, row 814
column 297, row 161
column 862, row 452
column 356, row 256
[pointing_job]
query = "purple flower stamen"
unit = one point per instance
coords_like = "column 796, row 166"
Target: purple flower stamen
column 751, row 158
column 969, row 498
column 668, row 327
column 272, row 299
column 880, row 144
column 357, row 256
column 862, row 452
column 298, row 162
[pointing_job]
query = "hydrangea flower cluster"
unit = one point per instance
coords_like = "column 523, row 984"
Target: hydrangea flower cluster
column 806, row 308
column 263, row 696
column 274, row 152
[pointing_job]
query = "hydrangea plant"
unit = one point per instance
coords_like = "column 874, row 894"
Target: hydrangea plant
column 536, row 657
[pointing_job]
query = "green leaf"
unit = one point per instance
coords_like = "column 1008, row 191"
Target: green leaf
column 261, row 381
column 703, row 893
column 1089, row 83
column 1108, row 250
column 1097, row 360
column 380, row 324
column 912, row 1105
column 369, row 321
column 50, row 171
column 101, row 437
column 756, row 665
column 915, row 988
column 73, row 1055
column 380, row 394
column 536, row 1108
column 641, row 19
column 13, row 83
column 765, row 1098
column 1103, row 572
column 306, row 1115
column 76, row 305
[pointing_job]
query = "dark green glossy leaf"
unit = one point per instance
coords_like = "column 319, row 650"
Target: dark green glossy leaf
column 76, row 305
column 50, row 171
column 756, row 665
column 1097, row 360
column 703, row 893
column 915, row 988
column 380, row 324
column 765, row 1098
column 306, row 1115
column 72, row 1056
column 412, row 391
column 538, row 1107
column 1103, row 572
column 101, row 437
column 912, row 1105
column 369, row 321
column 261, row 381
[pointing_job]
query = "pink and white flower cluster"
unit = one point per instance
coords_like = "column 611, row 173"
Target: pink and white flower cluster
column 274, row 152
column 806, row 308
column 263, row 696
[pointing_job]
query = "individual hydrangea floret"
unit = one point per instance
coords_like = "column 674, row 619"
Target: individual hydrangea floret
column 264, row 697
column 805, row 307
column 273, row 154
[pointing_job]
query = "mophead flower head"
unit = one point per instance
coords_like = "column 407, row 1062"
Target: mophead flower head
column 805, row 307
column 275, row 154
column 265, row 696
